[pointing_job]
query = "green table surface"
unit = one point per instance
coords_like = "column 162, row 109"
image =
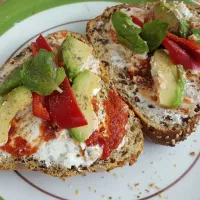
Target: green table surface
column 13, row 11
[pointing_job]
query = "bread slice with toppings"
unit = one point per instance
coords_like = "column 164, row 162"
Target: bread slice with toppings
column 132, row 75
column 39, row 145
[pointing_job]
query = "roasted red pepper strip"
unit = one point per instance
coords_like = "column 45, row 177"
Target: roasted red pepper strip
column 40, row 102
column 179, row 55
column 42, row 44
column 190, row 46
column 61, row 108
column 148, row 18
column 34, row 48
column 137, row 21
column 64, row 109
column 97, row 138
column 39, row 107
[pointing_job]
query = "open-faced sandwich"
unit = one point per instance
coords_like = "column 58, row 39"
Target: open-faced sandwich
column 58, row 116
column 152, row 54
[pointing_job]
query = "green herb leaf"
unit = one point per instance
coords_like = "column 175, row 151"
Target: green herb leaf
column 154, row 32
column 12, row 81
column 41, row 74
column 184, row 28
column 124, row 25
column 1, row 198
column 196, row 32
column 128, row 32
column 136, row 44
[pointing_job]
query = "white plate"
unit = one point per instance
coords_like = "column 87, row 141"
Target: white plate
column 160, row 173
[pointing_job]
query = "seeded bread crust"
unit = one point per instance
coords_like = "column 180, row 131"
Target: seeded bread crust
column 129, row 153
column 158, row 134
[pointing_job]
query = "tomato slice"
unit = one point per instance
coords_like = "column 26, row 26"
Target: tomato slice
column 64, row 109
column 179, row 55
column 137, row 21
column 40, row 107
column 188, row 45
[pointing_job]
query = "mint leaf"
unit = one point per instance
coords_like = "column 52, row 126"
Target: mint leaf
column 128, row 32
column 41, row 74
column 154, row 32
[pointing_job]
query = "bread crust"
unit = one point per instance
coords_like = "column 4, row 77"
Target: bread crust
column 129, row 153
column 155, row 133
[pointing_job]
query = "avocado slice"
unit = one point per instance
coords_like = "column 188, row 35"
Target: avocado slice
column 75, row 54
column 177, row 23
column 13, row 102
column 12, row 81
column 84, row 86
column 168, row 78
column 1, row 101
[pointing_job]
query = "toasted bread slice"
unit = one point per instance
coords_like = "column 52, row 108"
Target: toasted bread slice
column 48, row 158
column 163, row 126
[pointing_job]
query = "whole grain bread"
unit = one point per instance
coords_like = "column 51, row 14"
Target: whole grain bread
column 129, row 153
column 161, row 125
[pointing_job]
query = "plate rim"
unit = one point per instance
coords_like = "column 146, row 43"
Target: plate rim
column 61, row 198
column 36, row 6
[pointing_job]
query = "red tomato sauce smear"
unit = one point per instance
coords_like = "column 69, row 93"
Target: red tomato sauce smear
column 108, row 137
column 18, row 146
column 49, row 130
column 116, row 121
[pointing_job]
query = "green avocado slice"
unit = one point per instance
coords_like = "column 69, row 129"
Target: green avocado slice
column 84, row 87
column 14, row 101
column 75, row 54
column 177, row 24
column 168, row 78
